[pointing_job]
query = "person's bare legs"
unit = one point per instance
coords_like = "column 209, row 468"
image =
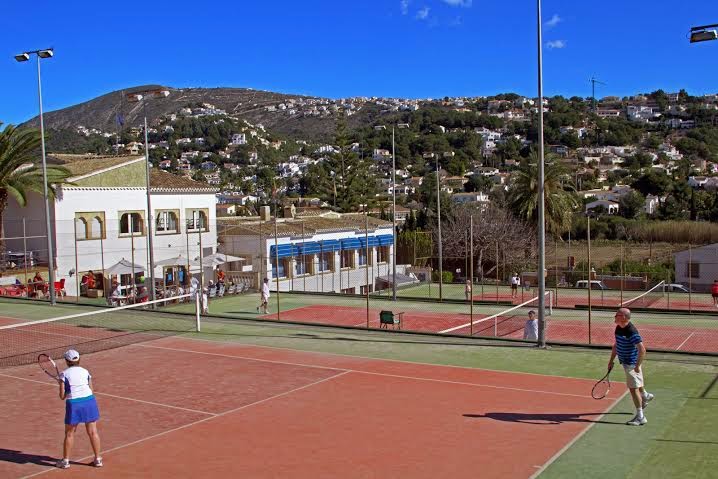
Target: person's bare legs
column 69, row 440
column 91, row 428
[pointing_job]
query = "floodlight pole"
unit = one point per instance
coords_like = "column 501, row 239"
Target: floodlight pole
column 47, row 53
column 393, row 215
column 541, row 224
column 150, row 240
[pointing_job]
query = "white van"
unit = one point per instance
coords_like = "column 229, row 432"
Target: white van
column 595, row 284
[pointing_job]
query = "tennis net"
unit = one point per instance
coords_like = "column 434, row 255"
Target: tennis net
column 506, row 322
column 649, row 298
column 93, row 331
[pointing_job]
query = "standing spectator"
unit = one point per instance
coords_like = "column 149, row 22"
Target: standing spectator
column 629, row 348
column 531, row 327
column 714, row 292
column 467, row 290
column 515, row 283
column 264, row 305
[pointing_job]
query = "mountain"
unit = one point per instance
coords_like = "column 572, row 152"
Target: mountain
column 255, row 106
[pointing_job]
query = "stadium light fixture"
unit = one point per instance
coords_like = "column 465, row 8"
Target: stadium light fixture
column 48, row 53
column 704, row 33
column 23, row 57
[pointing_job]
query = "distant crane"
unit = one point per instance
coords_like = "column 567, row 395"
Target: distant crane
column 593, row 92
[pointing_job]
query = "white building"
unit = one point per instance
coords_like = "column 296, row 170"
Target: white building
column 611, row 207
column 697, row 267
column 238, row 139
column 326, row 252
column 101, row 219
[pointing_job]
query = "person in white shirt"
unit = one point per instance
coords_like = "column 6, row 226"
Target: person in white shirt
column 75, row 385
column 515, row 283
column 264, row 305
column 531, row 327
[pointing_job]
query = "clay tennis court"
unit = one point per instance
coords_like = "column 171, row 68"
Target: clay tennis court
column 677, row 338
column 573, row 298
column 182, row 407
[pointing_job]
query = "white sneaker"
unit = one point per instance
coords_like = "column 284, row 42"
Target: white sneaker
column 637, row 421
column 63, row 463
column 97, row 462
column 644, row 402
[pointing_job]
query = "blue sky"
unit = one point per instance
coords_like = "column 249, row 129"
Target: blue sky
column 407, row 48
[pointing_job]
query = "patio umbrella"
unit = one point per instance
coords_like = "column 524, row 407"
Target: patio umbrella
column 124, row 267
column 177, row 261
column 217, row 259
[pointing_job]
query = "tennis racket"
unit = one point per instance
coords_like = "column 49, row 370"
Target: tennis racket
column 601, row 388
column 48, row 366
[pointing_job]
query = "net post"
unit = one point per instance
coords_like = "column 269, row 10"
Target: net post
column 197, row 312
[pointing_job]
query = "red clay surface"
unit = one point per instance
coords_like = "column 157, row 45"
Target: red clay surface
column 186, row 408
column 678, row 338
column 6, row 321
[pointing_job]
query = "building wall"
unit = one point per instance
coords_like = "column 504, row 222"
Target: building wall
column 79, row 256
column 706, row 258
column 251, row 246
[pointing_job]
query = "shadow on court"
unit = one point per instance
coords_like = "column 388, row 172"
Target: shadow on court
column 549, row 418
column 18, row 457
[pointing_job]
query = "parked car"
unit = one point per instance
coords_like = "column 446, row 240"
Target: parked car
column 676, row 288
column 595, row 284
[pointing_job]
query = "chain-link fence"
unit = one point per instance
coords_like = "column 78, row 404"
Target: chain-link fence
column 353, row 270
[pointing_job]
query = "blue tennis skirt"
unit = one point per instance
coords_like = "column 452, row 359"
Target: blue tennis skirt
column 81, row 410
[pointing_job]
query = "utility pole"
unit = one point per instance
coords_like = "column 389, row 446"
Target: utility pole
column 593, row 92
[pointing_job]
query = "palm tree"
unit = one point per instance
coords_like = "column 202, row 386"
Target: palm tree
column 560, row 202
column 19, row 173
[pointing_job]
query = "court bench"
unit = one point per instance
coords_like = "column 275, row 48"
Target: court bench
column 389, row 317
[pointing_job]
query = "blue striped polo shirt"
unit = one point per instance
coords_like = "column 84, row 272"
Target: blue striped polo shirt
column 626, row 341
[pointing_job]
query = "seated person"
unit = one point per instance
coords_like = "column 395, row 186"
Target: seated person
column 39, row 282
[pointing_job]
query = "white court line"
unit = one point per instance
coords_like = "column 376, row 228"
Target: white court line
column 401, row 361
column 685, row 341
column 45, row 383
column 573, row 441
column 199, row 421
column 287, row 363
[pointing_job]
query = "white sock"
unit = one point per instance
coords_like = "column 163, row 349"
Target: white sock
column 639, row 412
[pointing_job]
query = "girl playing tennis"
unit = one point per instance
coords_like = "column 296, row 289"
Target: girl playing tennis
column 80, row 407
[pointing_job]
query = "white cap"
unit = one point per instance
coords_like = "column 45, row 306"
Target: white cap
column 72, row 355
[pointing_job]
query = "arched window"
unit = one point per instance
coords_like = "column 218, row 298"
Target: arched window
column 80, row 229
column 167, row 222
column 197, row 220
column 131, row 224
column 96, row 228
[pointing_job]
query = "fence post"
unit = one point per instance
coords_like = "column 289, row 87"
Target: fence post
column 622, row 275
column 496, row 264
column 24, row 250
column 690, row 276
column 276, row 257
column 77, row 270
column 471, row 275
column 588, row 232
column 366, row 261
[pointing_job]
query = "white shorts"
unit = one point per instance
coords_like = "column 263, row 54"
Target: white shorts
column 633, row 379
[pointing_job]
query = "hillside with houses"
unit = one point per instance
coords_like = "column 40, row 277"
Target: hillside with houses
column 651, row 155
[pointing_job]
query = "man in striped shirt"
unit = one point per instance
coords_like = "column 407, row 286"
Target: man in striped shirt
column 630, row 351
